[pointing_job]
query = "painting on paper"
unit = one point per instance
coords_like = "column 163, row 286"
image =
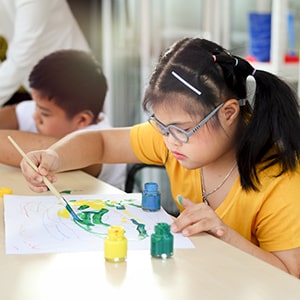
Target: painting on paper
column 41, row 224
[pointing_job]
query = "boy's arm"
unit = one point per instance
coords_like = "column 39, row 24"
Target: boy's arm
column 29, row 142
column 8, row 117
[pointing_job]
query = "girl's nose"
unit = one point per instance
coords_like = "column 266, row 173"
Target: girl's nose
column 172, row 140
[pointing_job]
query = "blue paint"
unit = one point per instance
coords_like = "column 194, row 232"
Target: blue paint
column 73, row 214
column 151, row 197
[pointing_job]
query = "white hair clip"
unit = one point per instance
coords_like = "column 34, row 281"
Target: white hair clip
column 250, row 88
column 186, row 83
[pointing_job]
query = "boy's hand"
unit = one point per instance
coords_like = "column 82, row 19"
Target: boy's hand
column 47, row 162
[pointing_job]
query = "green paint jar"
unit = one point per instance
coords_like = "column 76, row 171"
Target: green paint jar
column 115, row 244
column 162, row 241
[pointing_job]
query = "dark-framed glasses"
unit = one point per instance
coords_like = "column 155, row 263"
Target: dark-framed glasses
column 177, row 132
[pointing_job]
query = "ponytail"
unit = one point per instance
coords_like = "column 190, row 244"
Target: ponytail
column 272, row 135
column 268, row 132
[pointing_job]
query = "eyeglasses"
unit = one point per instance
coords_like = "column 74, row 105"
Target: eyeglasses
column 177, row 132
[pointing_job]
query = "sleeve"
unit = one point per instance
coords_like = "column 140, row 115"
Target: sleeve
column 24, row 45
column 24, row 112
column 148, row 144
column 278, row 221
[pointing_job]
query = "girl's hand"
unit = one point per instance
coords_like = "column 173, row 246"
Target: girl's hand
column 198, row 218
column 46, row 162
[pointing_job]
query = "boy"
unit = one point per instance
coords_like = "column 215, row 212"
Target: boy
column 68, row 91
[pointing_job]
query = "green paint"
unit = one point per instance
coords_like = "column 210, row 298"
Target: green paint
column 180, row 199
column 70, row 191
column 97, row 217
column 121, row 204
column 90, row 218
column 117, row 205
column 89, row 229
column 140, row 228
column 135, row 205
column 66, row 192
column 82, row 207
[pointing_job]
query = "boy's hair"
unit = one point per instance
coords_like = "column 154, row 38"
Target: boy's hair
column 73, row 79
column 269, row 124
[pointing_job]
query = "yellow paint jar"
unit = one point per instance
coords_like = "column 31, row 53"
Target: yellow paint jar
column 115, row 244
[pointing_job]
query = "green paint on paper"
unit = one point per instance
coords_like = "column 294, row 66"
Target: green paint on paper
column 140, row 228
column 91, row 213
column 66, row 192
column 82, row 207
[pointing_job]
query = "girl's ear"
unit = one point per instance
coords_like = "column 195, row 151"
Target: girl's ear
column 83, row 119
column 230, row 111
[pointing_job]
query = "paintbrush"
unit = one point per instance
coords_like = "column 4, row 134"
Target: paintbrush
column 50, row 186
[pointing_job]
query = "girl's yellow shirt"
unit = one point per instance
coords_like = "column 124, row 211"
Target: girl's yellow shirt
column 269, row 218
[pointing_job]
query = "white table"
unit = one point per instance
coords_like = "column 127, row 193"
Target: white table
column 211, row 270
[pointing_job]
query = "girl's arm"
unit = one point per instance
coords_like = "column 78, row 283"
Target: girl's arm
column 202, row 218
column 84, row 148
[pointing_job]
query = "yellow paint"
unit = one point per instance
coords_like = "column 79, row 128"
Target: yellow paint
column 124, row 220
column 5, row 191
column 94, row 204
column 132, row 216
column 63, row 213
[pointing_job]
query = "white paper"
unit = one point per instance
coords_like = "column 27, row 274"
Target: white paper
column 40, row 224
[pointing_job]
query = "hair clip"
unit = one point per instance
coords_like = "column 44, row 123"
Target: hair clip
column 242, row 102
column 186, row 83
column 236, row 61
column 214, row 58
column 253, row 72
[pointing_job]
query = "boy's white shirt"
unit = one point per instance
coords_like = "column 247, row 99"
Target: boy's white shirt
column 113, row 174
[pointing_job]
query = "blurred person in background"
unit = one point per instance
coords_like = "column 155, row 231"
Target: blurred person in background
column 32, row 29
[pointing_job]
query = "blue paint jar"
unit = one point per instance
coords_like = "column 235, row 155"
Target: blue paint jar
column 151, row 197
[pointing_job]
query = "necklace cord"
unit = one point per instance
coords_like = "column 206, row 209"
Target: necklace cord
column 206, row 194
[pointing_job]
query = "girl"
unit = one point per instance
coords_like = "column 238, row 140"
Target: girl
column 232, row 157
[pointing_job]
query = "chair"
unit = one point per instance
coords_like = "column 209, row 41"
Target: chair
column 132, row 172
column 133, row 184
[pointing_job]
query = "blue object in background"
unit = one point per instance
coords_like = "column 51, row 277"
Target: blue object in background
column 291, row 35
column 260, row 36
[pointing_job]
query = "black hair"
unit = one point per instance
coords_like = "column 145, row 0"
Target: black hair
column 73, row 79
column 268, row 131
